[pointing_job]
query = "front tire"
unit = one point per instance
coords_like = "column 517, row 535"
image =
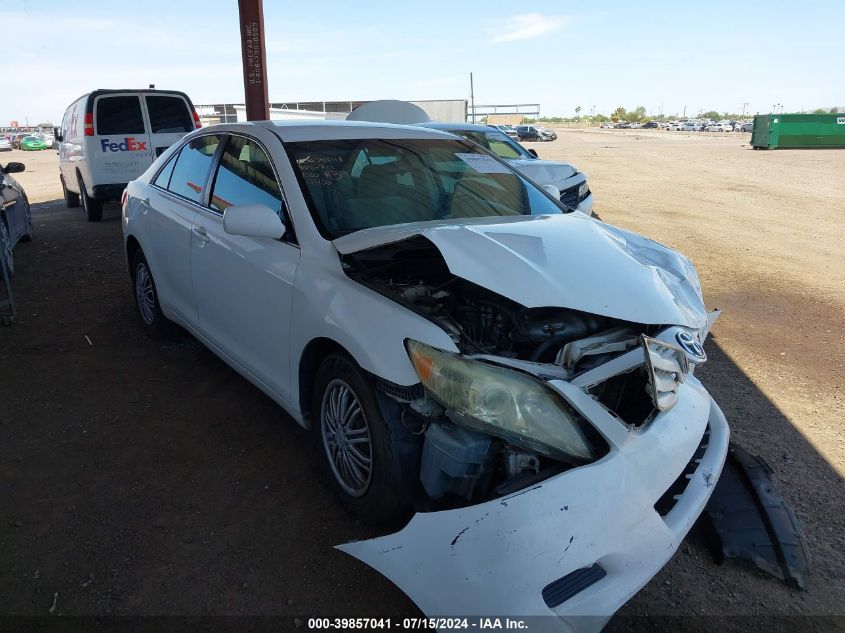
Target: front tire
column 146, row 299
column 6, row 246
column 71, row 199
column 27, row 236
column 355, row 444
column 93, row 207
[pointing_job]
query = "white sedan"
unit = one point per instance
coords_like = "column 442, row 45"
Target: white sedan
column 513, row 376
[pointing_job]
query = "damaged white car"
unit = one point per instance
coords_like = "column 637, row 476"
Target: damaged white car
column 513, row 377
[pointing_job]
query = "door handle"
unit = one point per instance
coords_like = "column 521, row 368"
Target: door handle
column 200, row 233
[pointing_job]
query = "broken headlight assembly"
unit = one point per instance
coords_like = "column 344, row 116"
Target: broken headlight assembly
column 501, row 402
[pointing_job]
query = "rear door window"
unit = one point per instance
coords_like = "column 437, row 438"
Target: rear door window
column 192, row 167
column 168, row 114
column 119, row 115
column 245, row 176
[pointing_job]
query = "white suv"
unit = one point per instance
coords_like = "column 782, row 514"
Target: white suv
column 461, row 345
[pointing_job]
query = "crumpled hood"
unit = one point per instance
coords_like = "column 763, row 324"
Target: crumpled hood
column 544, row 172
column 568, row 261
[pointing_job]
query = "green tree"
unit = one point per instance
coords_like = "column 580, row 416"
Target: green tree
column 711, row 114
column 618, row 114
column 834, row 110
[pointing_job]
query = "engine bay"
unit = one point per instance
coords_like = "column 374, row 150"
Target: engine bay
column 459, row 464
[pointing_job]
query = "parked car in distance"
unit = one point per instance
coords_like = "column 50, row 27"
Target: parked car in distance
column 509, row 130
column 718, row 127
column 674, row 126
column 746, row 126
column 33, row 143
column 345, row 270
column 15, row 214
column 571, row 183
column 546, row 134
column 109, row 137
column 528, row 133
column 5, row 145
column 608, row 126
column 689, row 126
column 651, row 125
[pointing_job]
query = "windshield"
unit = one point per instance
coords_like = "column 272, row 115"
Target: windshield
column 497, row 142
column 362, row 183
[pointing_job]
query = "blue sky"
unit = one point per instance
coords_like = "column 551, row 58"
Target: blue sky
column 560, row 54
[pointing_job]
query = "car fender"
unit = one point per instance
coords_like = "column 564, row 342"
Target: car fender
column 327, row 304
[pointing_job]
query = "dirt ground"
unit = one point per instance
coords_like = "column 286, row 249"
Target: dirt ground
column 146, row 478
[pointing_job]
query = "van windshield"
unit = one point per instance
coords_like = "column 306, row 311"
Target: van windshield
column 362, row 183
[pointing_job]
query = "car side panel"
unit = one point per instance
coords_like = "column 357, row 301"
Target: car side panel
column 161, row 222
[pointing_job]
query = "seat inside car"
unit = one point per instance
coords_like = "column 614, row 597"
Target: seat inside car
column 386, row 194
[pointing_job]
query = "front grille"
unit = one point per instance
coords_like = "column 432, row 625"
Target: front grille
column 670, row 498
column 627, row 396
column 569, row 197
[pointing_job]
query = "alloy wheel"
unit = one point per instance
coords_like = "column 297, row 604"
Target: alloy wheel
column 346, row 438
column 6, row 240
column 144, row 293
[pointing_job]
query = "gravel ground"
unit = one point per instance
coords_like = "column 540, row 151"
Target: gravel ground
column 141, row 478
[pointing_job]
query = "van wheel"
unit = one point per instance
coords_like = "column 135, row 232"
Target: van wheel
column 354, row 443
column 146, row 299
column 93, row 207
column 71, row 199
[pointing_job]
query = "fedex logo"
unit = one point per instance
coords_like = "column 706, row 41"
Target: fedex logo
column 129, row 144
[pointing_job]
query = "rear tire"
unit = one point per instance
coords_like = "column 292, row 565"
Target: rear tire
column 144, row 290
column 27, row 236
column 355, row 444
column 71, row 199
column 93, row 207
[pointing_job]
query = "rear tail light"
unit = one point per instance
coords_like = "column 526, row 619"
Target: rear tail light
column 89, row 124
column 196, row 119
column 123, row 197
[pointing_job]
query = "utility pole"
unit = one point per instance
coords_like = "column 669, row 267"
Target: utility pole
column 472, row 97
column 251, row 13
column 744, row 105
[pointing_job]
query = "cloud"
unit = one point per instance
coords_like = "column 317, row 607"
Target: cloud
column 527, row 26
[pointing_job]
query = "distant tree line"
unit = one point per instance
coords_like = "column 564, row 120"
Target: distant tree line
column 638, row 115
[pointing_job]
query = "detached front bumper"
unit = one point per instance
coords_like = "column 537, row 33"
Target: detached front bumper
column 496, row 558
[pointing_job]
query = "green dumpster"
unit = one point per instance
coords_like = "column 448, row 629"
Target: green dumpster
column 798, row 130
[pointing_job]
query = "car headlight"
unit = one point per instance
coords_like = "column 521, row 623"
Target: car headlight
column 501, row 402
column 583, row 191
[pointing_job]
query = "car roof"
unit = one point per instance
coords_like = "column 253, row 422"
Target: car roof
column 320, row 130
column 463, row 127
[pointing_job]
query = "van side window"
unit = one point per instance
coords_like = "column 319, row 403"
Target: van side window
column 168, row 114
column 245, row 176
column 119, row 115
column 192, row 166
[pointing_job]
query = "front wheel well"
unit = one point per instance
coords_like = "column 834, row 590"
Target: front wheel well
column 313, row 354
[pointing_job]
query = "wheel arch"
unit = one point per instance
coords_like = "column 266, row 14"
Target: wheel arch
column 312, row 355
column 132, row 247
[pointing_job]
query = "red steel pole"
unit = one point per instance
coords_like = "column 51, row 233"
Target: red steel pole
column 255, row 59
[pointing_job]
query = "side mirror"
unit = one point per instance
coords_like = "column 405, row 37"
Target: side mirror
column 533, row 152
column 253, row 220
column 14, row 168
column 57, row 134
column 552, row 191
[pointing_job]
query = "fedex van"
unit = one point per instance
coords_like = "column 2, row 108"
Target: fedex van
column 109, row 137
